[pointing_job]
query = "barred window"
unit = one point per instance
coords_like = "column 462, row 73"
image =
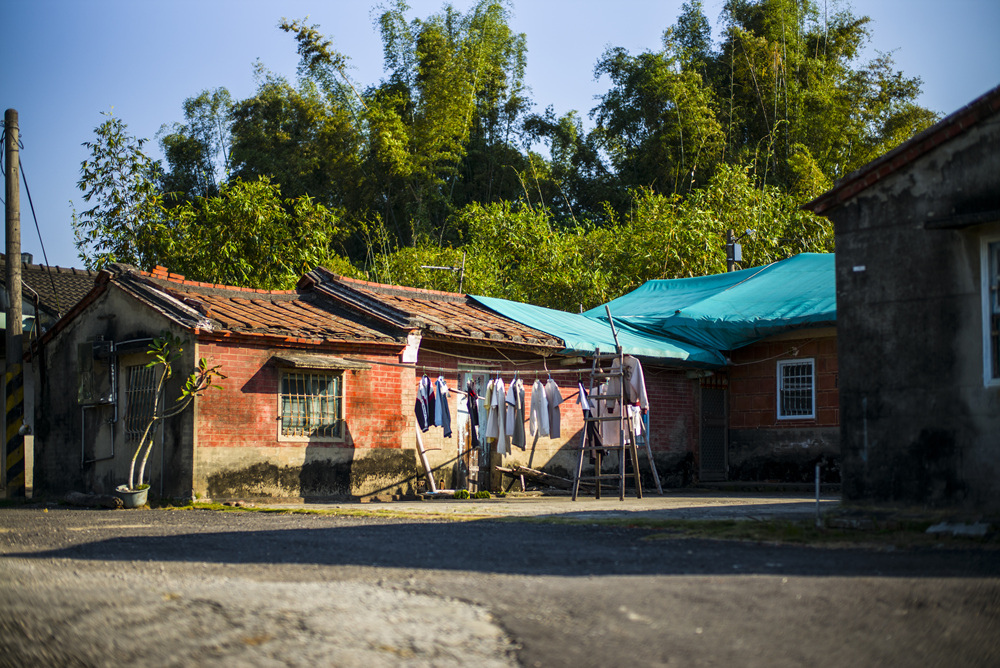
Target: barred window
column 991, row 312
column 796, row 384
column 311, row 404
column 140, row 400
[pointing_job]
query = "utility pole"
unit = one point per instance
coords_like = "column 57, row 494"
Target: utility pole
column 734, row 251
column 14, row 351
column 730, row 251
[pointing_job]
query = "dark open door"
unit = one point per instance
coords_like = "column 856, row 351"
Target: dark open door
column 714, row 432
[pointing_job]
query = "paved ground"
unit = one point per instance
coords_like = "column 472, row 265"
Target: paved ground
column 85, row 587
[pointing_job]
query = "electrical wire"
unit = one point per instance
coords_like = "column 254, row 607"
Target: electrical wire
column 38, row 230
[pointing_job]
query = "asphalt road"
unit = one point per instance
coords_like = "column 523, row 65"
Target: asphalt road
column 200, row 588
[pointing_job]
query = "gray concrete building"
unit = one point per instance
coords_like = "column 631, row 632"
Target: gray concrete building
column 918, row 313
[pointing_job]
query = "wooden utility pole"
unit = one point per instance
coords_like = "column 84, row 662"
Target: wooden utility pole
column 730, row 251
column 14, row 351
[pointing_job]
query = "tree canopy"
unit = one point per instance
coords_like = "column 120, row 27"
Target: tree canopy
column 445, row 156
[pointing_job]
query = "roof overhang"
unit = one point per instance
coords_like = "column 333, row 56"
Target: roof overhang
column 316, row 361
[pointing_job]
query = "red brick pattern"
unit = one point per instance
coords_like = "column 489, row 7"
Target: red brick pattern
column 753, row 383
column 245, row 412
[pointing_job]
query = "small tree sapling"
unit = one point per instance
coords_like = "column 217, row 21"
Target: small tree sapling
column 165, row 351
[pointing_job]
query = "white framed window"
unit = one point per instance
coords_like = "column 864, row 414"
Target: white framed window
column 796, row 389
column 311, row 405
column 990, row 263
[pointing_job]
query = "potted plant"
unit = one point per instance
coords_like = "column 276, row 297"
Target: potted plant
column 165, row 350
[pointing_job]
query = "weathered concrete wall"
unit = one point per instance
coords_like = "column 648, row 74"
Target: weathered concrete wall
column 918, row 425
column 65, row 435
column 764, row 448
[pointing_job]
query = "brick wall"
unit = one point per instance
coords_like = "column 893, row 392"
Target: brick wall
column 245, row 411
column 753, row 383
column 240, row 454
column 764, row 448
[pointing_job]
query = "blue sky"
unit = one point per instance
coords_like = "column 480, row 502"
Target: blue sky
column 66, row 61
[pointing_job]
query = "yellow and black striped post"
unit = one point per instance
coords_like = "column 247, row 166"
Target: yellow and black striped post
column 14, row 461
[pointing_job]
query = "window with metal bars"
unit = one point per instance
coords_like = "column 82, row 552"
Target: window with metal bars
column 991, row 312
column 140, row 400
column 311, row 404
column 796, row 385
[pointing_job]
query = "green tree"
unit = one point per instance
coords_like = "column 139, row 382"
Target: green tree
column 658, row 122
column 197, row 151
column 292, row 136
column 119, row 180
column 790, row 82
column 248, row 235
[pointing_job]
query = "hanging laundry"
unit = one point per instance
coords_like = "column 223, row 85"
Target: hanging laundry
column 472, row 405
column 538, row 420
column 442, row 414
column 515, row 413
column 610, row 429
column 499, row 408
column 424, row 405
column 634, row 388
column 590, row 408
column 553, row 397
column 492, row 430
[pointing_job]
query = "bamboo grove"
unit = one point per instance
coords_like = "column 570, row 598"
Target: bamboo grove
column 448, row 157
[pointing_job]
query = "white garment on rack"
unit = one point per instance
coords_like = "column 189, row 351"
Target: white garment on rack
column 635, row 388
column 610, row 429
column 515, row 413
column 553, row 397
column 538, row 421
column 635, row 412
column 492, row 428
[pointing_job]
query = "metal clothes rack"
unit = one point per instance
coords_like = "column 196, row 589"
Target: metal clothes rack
column 591, row 439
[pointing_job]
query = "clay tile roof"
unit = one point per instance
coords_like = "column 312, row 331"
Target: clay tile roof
column 219, row 308
column 58, row 288
column 442, row 315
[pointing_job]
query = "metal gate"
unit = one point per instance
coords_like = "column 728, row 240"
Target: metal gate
column 714, row 432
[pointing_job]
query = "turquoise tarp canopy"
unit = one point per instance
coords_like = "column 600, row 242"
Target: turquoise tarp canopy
column 582, row 335
column 727, row 311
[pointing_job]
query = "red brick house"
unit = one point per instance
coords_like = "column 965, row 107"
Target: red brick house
column 769, row 411
column 322, row 383
column 319, row 399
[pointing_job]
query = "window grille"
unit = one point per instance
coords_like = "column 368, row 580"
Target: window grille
column 311, row 404
column 140, row 400
column 796, row 398
column 993, row 311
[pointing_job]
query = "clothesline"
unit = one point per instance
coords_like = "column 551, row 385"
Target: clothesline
column 495, row 368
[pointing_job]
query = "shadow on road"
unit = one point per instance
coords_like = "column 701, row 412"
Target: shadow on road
column 488, row 546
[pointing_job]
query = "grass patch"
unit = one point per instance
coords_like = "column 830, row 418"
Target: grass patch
column 334, row 512
column 896, row 535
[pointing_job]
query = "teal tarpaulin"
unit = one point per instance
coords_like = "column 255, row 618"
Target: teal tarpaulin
column 727, row 311
column 582, row 335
